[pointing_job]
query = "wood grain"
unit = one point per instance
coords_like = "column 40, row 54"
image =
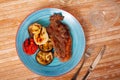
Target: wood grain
column 13, row 12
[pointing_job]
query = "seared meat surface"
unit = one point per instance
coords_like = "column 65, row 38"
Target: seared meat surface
column 60, row 35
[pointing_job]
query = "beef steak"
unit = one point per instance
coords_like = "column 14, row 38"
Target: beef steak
column 60, row 35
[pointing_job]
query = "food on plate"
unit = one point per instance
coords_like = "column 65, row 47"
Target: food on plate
column 47, row 46
column 56, row 36
column 34, row 29
column 60, row 35
column 44, row 58
column 29, row 46
column 42, row 37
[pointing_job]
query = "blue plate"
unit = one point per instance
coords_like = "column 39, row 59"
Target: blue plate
column 55, row 68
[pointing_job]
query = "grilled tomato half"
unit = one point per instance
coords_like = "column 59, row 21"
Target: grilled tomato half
column 29, row 46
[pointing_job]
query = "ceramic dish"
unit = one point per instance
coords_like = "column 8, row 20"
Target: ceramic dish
column 55, row 68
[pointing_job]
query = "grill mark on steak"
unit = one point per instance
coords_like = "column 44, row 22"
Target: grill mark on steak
column 60, row 35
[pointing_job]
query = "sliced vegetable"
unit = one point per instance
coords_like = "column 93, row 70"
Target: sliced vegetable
column 34, row 29
column 42, row 37
column 44, row 58
column 47, row 46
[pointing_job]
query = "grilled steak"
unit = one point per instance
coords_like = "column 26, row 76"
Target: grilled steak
column 60, row 35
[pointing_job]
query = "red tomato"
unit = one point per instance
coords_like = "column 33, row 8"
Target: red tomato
column 29, row 46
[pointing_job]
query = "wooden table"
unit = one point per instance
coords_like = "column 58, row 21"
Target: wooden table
column 13, row 12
